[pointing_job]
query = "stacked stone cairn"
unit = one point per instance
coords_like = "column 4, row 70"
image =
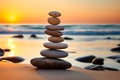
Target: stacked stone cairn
column 53, row 53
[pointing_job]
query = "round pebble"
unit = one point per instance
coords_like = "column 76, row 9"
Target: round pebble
column 45, row 63
column 54, row 27
column 53, row 33
column 117, row 49
column 51, row 45
column 2, row 52
column 87, row 59
column 53, row 53
column 98, row 61
column 7, row 50
column 100, row 68
column 55, row 14
column 114, row 57
column 118, row 60
column 56, row 39
column 54, row 21
column 14, row 59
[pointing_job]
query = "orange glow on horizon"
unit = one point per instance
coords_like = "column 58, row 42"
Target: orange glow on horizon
column 73, row 11
column 9, row 17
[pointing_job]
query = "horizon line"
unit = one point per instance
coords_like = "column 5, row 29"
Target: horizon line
column 60, row 24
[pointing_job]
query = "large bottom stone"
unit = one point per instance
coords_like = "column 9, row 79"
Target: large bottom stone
column 44, row 63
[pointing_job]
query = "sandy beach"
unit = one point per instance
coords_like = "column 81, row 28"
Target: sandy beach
column 10, row 71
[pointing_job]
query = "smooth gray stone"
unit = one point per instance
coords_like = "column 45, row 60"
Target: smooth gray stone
column 113, row 57
column 14, row 59
column 54, row 53
column 7, row 50
column 53, row 33
column 34, row 36
column 68, row 38
column 118, row 44
column 52, row 45
column 54, row 14
column 54, row 27
column 18, row 36
column 95, row 67
column 117, row 49
column 2, row 52
column 98, row 61
column 100, row 68
column 53, row 21
column 45, row 63
column 87, row 59
column 55, row 39
column 118, row 60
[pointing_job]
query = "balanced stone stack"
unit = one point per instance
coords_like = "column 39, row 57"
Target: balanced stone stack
column 53, row 53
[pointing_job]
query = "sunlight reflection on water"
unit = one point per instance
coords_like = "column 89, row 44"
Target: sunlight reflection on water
column 12, row 46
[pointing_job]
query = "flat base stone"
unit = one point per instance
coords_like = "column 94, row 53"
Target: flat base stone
column 45, row 63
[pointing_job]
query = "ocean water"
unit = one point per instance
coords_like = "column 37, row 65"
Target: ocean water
column 69, row 29
column 79, row 32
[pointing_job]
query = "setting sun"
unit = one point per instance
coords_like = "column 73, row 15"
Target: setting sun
column 12, row 18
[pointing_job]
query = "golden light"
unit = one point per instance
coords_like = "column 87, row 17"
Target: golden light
column 12, row 47
column 10, row 41
column 12, row 18
column 11, row 53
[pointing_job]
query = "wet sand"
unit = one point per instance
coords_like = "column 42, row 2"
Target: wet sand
column 30, row 48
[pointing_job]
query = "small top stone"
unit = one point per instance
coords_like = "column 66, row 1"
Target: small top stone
column 55, row 14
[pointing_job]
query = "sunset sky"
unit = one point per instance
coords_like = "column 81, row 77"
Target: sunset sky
column 73, row 11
